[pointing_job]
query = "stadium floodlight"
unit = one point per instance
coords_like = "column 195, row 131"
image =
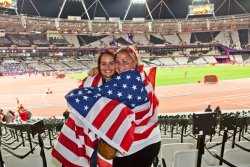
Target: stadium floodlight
column 138, row 1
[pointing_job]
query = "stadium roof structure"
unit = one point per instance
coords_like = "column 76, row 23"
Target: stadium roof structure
column 124, row 16
column 125, row 9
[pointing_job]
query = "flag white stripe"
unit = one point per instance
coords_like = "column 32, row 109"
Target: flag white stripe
column 123, row 128
column 111, row 118
column 96, row 131
column 66, row 131
column 88, row 82
column 96, row 109
column 70, row 156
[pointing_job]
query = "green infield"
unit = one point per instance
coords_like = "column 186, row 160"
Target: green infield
column 183, row 75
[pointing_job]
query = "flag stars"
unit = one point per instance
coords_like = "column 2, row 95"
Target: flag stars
column 134, row 87
column 85, row 98
column 138, row 78
column 142, row 89
column 128, row 77
column 89, row 92
column 133, row 105
column 129, row 96
column 77, row 100
column 71, row 94
column 119, row 94
column 115, row 85
column 79, row 92
column 138, row 97
column 118, row 77
column 110, row 92
column 124, row 86
column 86, row 107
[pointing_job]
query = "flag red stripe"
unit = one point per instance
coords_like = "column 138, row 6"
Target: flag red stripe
column 61, row 159
column 128, row 138
column 81, row 85
column 103, row 163
column 141, row 114
column 96, row 80
column 144, row 122
column 151, row 76
column 116, row 124
column 152, row 99
column 72, row 146
column 104, row 113
column 145, row 134
column 70, row 123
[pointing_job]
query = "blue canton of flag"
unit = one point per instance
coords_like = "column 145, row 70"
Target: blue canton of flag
column 126, row 88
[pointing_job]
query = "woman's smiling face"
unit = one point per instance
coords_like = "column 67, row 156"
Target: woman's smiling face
column 107, row 66
column 124, row 62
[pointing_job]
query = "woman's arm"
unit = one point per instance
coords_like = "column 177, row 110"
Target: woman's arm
column 93, row 71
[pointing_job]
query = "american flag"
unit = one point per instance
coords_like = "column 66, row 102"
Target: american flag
column 91, row 81
column 121, row 112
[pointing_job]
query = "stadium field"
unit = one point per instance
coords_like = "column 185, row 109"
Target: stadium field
column 184, row 75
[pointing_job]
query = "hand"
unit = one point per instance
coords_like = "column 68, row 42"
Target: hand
column 93, row 71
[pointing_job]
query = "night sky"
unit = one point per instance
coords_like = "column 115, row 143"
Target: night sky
column 117, row 8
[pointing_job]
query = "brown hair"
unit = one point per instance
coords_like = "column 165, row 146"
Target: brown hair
column 100, row 57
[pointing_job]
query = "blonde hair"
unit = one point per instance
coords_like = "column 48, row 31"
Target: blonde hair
column 131, row 52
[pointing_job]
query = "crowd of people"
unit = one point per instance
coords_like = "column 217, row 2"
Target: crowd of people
column 22, row 114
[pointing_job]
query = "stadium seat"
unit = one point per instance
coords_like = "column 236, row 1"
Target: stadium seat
column 167, row 141
column 237, row 156
column 31, row 160
column 168, row 150
column 188, row 158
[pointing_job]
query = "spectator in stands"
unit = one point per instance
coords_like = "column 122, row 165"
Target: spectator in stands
column 66, row 114
column 21, row 107
column 217, row 111
column 10, row 116
column 208, row 109
column 1, row 114
column 23, row 113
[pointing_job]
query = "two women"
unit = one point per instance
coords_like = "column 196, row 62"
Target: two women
column 123, row 112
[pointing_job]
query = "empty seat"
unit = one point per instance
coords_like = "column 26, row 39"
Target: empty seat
column 167, row 141
column 188, row 158
column 30, row 160
column 237, row 156
column 168, row 150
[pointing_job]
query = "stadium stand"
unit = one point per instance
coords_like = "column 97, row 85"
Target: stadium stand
column 170, row 42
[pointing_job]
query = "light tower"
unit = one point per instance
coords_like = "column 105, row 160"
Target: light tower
column 142, row 2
